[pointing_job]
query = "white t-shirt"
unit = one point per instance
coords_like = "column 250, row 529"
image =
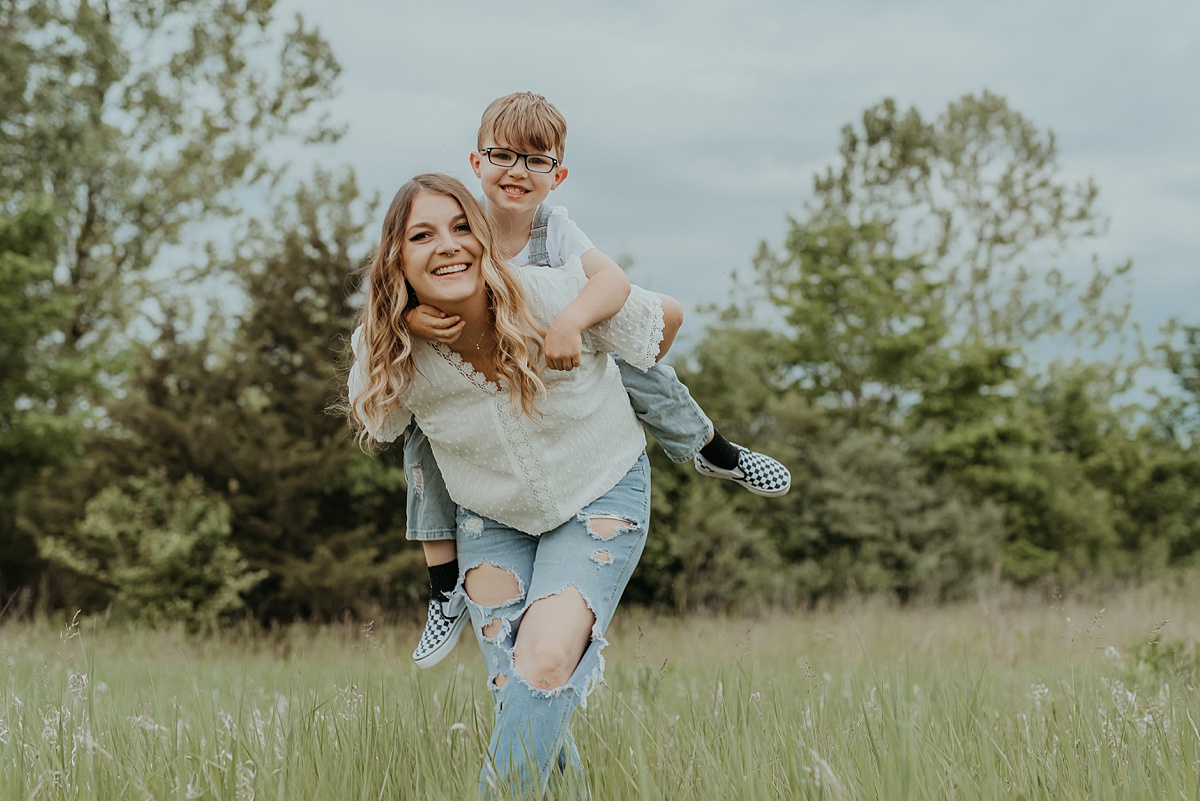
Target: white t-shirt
column 531, row 474
column 563, row 240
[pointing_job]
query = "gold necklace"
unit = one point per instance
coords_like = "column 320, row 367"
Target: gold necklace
column 478, row 343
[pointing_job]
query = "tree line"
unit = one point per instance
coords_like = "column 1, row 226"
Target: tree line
column 165, row 460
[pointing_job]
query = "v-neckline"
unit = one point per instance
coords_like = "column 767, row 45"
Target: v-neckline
column 467, row 370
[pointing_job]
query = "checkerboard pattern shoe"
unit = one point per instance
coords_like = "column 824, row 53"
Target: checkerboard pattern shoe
column 446, row 620
column 755, row 471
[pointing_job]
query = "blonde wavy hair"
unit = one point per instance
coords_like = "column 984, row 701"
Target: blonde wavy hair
column 387, row 344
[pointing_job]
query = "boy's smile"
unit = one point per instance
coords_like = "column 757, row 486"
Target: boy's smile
column 514, row 190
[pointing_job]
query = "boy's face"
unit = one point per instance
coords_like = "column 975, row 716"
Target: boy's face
column 515, row 189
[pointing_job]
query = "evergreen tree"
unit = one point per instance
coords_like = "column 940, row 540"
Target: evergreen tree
column 253, row 410
column 34, row 436
column 143, row 122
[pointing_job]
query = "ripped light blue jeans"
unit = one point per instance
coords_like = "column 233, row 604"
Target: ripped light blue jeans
column 659, row 399
column 531, row 744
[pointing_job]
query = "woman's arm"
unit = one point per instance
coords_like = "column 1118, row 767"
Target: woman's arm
column 387, row 427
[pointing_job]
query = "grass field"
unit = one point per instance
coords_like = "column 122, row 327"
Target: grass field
column 1006, row 699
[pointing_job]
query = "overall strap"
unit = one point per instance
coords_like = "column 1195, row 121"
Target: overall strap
column 538, row 253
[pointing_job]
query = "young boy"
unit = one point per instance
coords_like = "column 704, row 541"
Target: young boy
column 521, row 144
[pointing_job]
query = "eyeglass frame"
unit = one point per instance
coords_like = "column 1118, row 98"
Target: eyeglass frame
column 487, row 151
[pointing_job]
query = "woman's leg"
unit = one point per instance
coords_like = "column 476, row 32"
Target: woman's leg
column 497, row 566
column 555, row 621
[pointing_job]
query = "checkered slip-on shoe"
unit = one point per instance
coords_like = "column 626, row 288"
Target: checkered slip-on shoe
column 445, row 622
column 757, row 472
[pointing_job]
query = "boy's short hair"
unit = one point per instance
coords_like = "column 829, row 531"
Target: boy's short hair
column 526, row 121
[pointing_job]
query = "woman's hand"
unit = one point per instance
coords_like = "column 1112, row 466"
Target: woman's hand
column 434, row 324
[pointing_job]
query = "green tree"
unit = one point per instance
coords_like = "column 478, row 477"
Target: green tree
column 160, row 551
column 863, row 515
column 1158, row 473
column 147, row 124
column 863, row 325
column 251, row 410
column 143, row 120
column 1179, row 414
column 913, row 299
column 33, row 435
column 982, row 199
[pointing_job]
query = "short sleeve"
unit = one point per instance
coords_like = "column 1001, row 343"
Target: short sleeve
column 394, row 422
column 564, row 239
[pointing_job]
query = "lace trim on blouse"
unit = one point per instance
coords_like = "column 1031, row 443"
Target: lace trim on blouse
column 465, row 368
column 531, row 469
column 659, row 324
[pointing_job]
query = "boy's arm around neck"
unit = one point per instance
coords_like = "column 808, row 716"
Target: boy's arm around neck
column 602, row 296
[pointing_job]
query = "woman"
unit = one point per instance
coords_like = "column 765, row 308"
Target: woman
column 548, row 468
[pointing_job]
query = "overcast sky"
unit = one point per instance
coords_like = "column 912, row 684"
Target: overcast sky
column 696, row 127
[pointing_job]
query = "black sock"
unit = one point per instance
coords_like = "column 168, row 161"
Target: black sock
column 443, row 579
column 721, row 452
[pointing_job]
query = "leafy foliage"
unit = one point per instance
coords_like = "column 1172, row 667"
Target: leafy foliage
column 862, row 516
column 251, row 409
column 979, row 195
column 889, row 352
column 862, row 322
column 930, row 267
column 34, row 435
column 160, row 550
column 141, row 120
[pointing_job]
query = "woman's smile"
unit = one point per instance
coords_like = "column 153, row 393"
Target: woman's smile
column 439, row 251
column 452, row 269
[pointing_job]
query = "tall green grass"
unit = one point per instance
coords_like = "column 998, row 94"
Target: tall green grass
column 1013, row 699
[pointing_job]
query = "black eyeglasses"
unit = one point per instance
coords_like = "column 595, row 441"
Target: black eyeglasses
column 534, row 162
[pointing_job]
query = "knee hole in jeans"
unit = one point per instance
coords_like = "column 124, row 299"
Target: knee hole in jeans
column 547, row 663
column 491, row 585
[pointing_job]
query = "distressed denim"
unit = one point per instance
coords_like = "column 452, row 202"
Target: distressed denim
column 531, row 744
column 430, row 512
column 659, row 398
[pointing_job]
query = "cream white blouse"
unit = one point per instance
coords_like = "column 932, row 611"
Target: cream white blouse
column 531, row 473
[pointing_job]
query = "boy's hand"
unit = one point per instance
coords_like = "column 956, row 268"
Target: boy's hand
column 434, row 324
column 563, row 346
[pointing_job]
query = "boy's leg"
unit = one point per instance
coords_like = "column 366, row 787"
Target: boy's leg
column 676, row 421
column 665, row 407
column 430, row 520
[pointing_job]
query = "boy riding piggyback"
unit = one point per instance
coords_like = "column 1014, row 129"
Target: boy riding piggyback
column 519, row 161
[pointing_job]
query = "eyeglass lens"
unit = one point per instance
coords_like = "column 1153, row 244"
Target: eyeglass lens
column 534, row 162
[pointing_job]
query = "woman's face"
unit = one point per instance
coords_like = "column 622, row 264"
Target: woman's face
column 441, row 257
